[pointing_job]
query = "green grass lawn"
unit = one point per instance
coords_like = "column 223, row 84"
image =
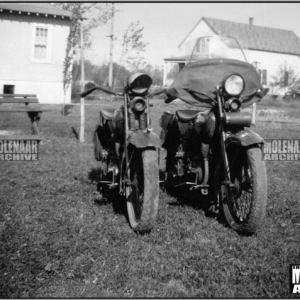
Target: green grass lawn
column 60, row 239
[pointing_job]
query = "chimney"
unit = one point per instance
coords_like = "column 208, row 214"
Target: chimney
column 251, row 21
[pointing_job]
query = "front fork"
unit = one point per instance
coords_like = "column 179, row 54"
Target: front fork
column 124, row 182
column 222, row 143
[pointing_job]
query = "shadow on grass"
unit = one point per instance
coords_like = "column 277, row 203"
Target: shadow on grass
column 206, row 203
column 67, row 109
column 107, row 196
column 194, row 199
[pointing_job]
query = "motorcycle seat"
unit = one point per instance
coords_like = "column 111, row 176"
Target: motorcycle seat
column 107, row 114
column 186, row 115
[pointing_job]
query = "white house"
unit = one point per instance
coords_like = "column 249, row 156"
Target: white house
column 268, row 48
column 33, row 48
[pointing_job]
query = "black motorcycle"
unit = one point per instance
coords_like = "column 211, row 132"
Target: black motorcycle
column 211, row 149
column 127, row 150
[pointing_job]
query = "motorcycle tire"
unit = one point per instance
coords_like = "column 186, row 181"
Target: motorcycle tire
column 246, row 207
column 143, row 193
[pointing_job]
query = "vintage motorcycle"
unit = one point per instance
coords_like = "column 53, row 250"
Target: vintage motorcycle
column 211, row 149
column 127, row 150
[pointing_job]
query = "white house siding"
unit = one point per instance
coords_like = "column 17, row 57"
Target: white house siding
column 271, row 62
column 202, row 29
column 16, row 52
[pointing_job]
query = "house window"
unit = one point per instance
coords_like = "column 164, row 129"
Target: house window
column 8, row 89
column 264, row 77
column 41, row 43
column 202, row 45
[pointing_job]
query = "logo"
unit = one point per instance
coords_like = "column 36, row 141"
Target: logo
column 281, row 149
column 11, row 150
column 295, row 279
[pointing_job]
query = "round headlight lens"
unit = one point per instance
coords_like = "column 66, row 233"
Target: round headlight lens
column 235, row 105
column 138, row 104
column 234, row 85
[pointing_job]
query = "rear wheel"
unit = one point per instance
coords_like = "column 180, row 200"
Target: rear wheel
column 245, row 206
column 143, row 191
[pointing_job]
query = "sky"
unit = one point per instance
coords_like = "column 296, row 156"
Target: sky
column 167, row 24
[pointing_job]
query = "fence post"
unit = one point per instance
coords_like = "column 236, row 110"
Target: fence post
column 253, row 113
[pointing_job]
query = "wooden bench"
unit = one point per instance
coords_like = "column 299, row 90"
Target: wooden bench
column 34, row 113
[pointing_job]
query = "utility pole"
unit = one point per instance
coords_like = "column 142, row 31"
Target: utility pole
column 82, row 117
column 110, row 78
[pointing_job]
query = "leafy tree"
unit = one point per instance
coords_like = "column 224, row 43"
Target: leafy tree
column 148, row 69
column 157, row 76
column 173, row 72
column 133, row 46
column 287, row 77
column 98, row 75
column 80, row 11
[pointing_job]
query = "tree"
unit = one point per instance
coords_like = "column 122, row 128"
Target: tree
column 157, row 76
column 80, row 11
column 173, row 71
column 133, row 46
column 98, row 75
column 287, row 77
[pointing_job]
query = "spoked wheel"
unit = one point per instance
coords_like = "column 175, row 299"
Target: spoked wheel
column 245, row 206
column 143, row 191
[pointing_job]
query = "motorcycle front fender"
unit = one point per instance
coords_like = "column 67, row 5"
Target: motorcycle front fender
column 245, row 138
column 141, row 139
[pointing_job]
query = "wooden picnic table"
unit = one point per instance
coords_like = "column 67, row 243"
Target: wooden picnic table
column 34, row 113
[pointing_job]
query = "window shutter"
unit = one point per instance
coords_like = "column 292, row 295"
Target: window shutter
column 286, row 79
column 264, row 79
column 259, row 74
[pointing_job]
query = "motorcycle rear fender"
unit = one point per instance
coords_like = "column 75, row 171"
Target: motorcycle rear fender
column 245, row 138
column 142, row 139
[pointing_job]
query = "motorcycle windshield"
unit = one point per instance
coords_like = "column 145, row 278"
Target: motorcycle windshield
column 210, row 47
column 207, row 66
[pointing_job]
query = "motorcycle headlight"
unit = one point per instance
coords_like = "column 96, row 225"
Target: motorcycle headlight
column 138, row 104
column 233, row 84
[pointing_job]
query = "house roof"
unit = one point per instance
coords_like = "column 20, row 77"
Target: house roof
column 257, row 37
column 177, row 58
column 41, row 8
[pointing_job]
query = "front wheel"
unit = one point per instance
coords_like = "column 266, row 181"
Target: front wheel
column 244, row 206
column 143, row 191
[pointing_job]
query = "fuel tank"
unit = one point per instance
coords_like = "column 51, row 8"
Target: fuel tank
column 205, row 125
